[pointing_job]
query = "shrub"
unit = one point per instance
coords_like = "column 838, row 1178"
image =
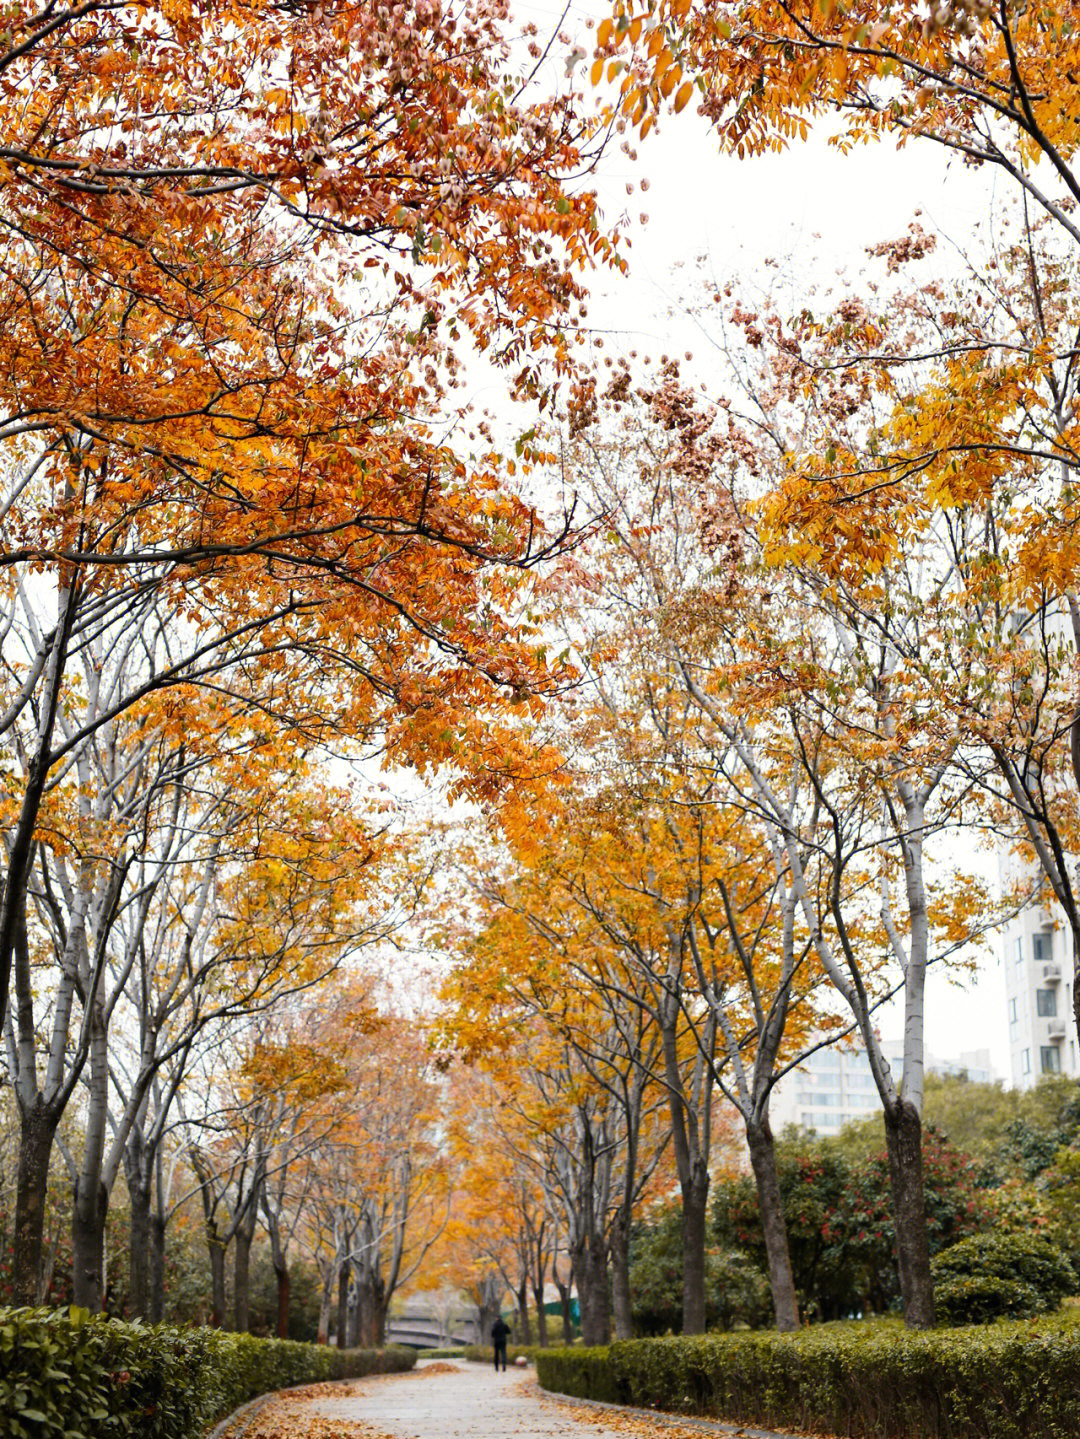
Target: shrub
column 862, row 1381
column 736, row 1289
column 838, row 1209
column 993, row 1276
column 582, row 1373
column 63, row 1373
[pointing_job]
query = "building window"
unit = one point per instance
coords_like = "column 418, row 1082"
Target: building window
column 1042, row 947
column 1072, row 1056
column 1020, row 951
column 1025, row 1061
column 1050, row 1056
column 1012, row 1011
column 1046, row 1003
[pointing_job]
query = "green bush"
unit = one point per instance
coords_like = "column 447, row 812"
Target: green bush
column 994, row 1276
column 582, row 1373
column 862, row 1381
column 63, row 1373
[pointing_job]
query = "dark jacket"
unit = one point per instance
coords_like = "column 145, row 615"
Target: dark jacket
column 500, row 1332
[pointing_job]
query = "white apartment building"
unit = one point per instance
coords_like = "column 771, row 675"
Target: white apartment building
column 834, row 1086
column 1038, row 983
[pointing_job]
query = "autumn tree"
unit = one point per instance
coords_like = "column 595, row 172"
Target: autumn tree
column 988, row 424
column 236, row 286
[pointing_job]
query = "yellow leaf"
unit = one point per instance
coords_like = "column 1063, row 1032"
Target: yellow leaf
column 685, row 91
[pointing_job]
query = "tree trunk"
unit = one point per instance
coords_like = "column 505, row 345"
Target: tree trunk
column 759, row 1137
column 903, row 1140
column 566, row 1312
column 371, row 1309
column 591, row 1273
column 88, row 1245
column 216, row 1251
column 281, row 1273
column 325, row 1306
column 242, row 1280
column 37, row 1131
column 620, row 1276
column 486, row 1315
column 695, row 1202
column 541, row 1317
column 139, row 1257
column 343, row 1307
column 157, row 1268
column 523, row 1313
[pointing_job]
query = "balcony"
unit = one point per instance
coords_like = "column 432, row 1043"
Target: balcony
column 1055, row 1028
column 1051, row 973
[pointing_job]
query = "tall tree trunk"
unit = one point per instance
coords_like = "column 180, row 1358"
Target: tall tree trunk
column 343, row 1306
column 37, row 1131
column 358, row 1320
column 139, row 1247
column 88, row 1245
column 523, row 1313
column 216, row 1250
column 695, row 1213
column 903, row 1142
column 326, row 1303
column 591, row 1273
column 541, row 1317
column 281, row 1273
column 620, row 1276
column 485, row 1319
column 566, row 1313
column 156, row 1311
column 692, row 1166
column 759, row 1137
column 372, row 1310
column 242, row 1279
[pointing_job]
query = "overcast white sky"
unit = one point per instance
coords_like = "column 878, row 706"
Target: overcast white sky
column 814, row 210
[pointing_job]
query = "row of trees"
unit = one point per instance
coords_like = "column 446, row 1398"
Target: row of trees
column 797, row 718
column 1005, row 1172
column 238, row 556
column 310, row 1133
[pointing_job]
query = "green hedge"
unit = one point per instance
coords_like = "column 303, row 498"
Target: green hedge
column 866, row 1381
column 583, row 1373
column 485, row 1353
column 65, row 1374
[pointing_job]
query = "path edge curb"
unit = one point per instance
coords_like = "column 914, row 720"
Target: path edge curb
column 665, row 1416
column 249, row 1411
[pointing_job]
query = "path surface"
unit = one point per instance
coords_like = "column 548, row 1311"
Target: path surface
column 444, row 1400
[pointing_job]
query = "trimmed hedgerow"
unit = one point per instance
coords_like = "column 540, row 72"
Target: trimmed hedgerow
column 63, row 1373
column 874, row 1381
column 485, row 1353
column 994, row 1276
column 582, row 1373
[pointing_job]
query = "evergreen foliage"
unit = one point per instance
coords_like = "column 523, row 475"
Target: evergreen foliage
column 63, row 1373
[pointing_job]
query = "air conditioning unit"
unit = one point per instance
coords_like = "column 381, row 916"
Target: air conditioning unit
column 1051, row 973
column 1055, row 1028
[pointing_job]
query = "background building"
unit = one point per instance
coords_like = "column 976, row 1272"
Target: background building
column 835, row 1086
column 1038, row 986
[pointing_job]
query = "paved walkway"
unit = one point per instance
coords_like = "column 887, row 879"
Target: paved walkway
column 447, row 1400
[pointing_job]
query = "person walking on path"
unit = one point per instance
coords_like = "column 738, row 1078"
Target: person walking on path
column 500, row 1333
